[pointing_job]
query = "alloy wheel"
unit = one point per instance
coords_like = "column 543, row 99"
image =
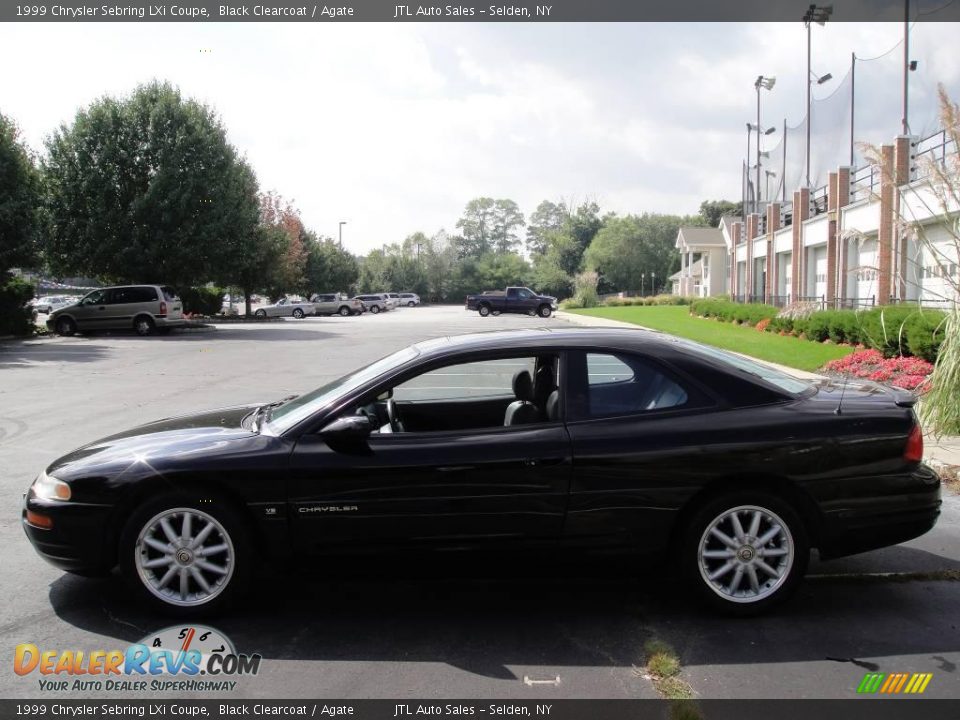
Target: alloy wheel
column 184, row 557
column 746, row 553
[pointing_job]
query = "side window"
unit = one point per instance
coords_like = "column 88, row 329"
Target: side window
column 626, row 385
column 467, row 381
column 169, row 294
column 97, row 297
column 133, row 295
column 524, row 294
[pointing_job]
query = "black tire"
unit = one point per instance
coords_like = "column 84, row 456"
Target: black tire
column 772, row 590
column 260, row 313
column 484, row 310
column 411, row 304
column 298, row 313
column 237, row 534
column 65, row 326
column 544, row 311
column 143, row 325
column 344, row 311
column 375, row 309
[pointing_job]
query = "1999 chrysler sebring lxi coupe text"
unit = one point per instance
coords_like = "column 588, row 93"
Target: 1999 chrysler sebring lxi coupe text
column 575, row 439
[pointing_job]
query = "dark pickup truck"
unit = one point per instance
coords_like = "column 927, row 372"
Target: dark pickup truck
column 513, row 300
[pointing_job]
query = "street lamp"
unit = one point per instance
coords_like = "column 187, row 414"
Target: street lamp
column 815, row 14
column 767, row 83
column 653, row 283
column 342, row 223
column 642, row 283
column 750, row 128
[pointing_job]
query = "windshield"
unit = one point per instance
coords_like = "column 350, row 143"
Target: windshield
column 782, row 380
column 290, row 413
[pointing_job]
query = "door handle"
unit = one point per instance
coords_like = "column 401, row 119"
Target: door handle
column 455, row 468
column 542, row 462
column 101, row 308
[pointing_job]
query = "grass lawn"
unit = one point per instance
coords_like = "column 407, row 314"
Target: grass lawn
column 677, row 320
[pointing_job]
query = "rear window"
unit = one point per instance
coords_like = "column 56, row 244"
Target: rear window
column 782, row 380
column 169, row 293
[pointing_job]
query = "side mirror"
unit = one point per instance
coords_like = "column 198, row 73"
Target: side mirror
column 349, row 426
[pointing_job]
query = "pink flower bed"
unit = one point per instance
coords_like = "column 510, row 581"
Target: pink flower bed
column 909, row 373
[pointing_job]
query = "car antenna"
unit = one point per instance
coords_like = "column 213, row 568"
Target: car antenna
column 843, row 389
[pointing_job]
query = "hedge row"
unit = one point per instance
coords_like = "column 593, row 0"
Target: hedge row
column 15, row 317
column 894, row 330
column 202, row 300
column 647, row 300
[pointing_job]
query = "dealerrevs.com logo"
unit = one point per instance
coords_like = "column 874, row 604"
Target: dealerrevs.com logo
column 176, row 659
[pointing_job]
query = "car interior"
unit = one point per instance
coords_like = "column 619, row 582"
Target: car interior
column 493, row 393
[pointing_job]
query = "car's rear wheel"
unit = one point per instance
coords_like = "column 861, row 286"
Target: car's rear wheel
column 344, row 311
column 260, row 313
column 544, row 311
column 744, row 552
column 143, row 325
column 65, row 326
column 184, row 557
column 411, row 304
column 298, row 313
column 484, row 310
column 375, row 309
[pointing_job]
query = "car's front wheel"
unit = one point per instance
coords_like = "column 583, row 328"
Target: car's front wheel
column 411, row 304
column 744, row 552
column 65, row 326
column 375, row 309
column 544, row 311
column 185, row 557
column 344, row 311
column 298, row 313
column 260, row 313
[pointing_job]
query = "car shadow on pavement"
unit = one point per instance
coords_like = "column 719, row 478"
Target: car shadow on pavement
column 25, row 354
column 484, row 619
column 269, row 332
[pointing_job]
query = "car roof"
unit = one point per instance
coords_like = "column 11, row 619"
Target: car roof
column 544, row 337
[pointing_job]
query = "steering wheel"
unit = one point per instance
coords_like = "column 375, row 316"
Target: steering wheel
column 393, row 415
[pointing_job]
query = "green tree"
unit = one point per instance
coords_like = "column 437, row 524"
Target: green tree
column 507, row 220
column 20, row 201
column 548, row 218
column 145, row 189
column 628, row 247
column 329, row 268
column 712, row 210
column 476, row 226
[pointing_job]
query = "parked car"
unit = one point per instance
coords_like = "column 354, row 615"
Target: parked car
column 395, row 299
column 285, row 307
column 49, row 303
column 143, row 308
column 512, row 300
column 574, row 439
column 409, row 299
column 336, row 304
column 375, row 303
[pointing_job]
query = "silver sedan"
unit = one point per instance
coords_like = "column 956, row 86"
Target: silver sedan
column 286, row 308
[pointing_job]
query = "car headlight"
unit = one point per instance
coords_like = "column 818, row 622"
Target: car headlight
column 46, row 487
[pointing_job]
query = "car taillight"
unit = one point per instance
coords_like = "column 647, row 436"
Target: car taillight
column 163, row 308
column 914, row 450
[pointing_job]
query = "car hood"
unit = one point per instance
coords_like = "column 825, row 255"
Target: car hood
column 185, row 436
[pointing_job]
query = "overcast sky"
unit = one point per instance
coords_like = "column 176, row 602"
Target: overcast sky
column 393, row 128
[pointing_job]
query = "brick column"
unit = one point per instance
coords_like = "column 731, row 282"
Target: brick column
column 839, row 198
column 773, row 224
column 903, row 164
column 753, row 224
column 885, row 232
column 735, row 232
column 801, row 211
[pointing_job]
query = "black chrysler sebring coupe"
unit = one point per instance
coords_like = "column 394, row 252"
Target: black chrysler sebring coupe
column 589, row 439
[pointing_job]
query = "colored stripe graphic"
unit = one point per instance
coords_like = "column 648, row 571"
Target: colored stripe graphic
column 894, row 683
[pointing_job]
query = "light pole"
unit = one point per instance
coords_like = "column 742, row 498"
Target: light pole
column 769, row 131
column 653, row 283
column 342, row 223
column 643, row 287
column 815, row 14
column 769, row 174
column 766, row 83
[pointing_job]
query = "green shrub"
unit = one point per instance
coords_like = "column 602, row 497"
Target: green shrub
column 729, row 311
column 585, row 289
column 570, row 304
column 781, row 324
column 925, row 334
column 15, row 317
column 202, row 300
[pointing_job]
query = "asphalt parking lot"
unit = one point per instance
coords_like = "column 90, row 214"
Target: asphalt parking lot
column 352, row 630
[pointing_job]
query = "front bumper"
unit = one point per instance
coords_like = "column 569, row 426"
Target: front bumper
column 81, row 539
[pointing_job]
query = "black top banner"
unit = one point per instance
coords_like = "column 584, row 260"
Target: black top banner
column 476, row 11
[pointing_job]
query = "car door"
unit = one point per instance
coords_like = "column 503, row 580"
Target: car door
column 467, row 487
column 640, row 432
column 91, row 313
